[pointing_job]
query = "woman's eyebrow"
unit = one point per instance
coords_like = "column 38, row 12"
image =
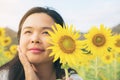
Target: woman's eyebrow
column 43, row 28
column 49, row 28
column 27, row 27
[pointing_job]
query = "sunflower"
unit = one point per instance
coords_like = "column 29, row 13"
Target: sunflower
column 13, row 49
column 65, row 44
column 8, row 54
column 2, row 32
column 118, row 59
column 107, row 58
column 5, row 41
column 117, row 43
column 99, row 40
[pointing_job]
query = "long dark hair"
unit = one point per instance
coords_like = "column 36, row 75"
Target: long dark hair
column 16, row 71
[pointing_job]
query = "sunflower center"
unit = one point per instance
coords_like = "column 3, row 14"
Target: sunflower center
column 107, row 57
column 6, row 41
column 99, row 40
column 67, row 44
column 118, row 43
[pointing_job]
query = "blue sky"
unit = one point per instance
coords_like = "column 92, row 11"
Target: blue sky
column 83, row 14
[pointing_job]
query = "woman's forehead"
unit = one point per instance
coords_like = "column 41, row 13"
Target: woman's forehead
column 38, row 19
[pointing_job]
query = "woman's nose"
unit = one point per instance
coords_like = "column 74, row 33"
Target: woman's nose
column 35, row 39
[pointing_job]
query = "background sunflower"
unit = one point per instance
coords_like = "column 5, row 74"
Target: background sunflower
column 6, row 47
column 98, row 40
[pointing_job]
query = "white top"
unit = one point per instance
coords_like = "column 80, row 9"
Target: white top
column 75, row 77
column 4, row 75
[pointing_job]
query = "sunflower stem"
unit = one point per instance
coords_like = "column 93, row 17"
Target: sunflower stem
column 108, row 69
column 96, row 68
column 66, row 73
column 115, row 68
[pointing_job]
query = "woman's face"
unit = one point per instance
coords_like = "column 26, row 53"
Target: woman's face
column 33, row 38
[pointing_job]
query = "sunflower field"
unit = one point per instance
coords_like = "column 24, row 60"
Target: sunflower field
column 96, row 57
column 7, row 48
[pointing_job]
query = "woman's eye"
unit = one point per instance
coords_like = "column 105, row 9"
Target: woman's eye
column 45, row 32
column 27, row 32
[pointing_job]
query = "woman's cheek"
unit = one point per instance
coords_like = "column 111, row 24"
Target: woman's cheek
column 23, row 42
column 44, row 41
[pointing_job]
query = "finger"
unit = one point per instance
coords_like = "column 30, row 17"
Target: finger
column 24, row 60
column 29, row 72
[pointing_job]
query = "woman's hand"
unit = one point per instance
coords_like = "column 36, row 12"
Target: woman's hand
column 29, row 71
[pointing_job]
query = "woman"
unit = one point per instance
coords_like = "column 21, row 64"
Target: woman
column 32, row 61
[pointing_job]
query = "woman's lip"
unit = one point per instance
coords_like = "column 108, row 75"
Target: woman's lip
column 36, row 50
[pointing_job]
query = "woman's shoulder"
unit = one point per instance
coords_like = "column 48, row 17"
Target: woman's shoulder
column 4, row 74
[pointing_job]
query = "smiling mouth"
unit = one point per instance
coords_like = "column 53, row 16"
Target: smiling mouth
column 36, row 51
